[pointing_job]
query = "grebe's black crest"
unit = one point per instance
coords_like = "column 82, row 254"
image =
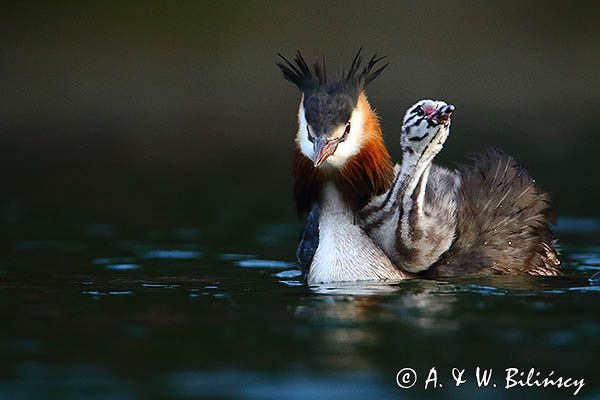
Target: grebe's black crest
column 329, row 104
column 308, row 79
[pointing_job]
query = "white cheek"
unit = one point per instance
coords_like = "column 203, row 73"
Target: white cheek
column 414, row 131
column 306, row 146
column 419, row 131
column 351, row 146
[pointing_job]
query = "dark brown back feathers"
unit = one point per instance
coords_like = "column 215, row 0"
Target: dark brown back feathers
column 503, row 222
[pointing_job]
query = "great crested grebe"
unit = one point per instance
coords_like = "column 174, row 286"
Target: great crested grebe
column 340, row 163
column 370, row 221
column 490, row 218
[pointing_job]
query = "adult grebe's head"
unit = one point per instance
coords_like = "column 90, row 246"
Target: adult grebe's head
column 423, row 122
column 332, row 115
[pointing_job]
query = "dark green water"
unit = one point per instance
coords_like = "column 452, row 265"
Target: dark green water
column 108, row 313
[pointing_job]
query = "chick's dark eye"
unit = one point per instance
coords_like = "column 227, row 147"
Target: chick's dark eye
column 420, row 111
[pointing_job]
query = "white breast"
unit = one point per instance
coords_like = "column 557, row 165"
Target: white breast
column 345, row 252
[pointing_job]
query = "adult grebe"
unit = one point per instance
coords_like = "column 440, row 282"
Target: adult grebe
column 340, row 163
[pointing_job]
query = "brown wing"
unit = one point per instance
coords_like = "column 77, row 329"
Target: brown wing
column 503, row 223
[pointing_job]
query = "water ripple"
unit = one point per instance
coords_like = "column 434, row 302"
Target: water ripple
column 97, row 293
column 264, row 264
column 486, row 290
column 577, row 225
column 590, row 258
column 290, row 273
column 235, row 256
column 159, row 285
column 172, row 254
column 293, row 283
column 113, row 260
column 123, row 267
column 584, row 289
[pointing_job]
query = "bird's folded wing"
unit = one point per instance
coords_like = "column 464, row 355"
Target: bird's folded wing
column 309, row 240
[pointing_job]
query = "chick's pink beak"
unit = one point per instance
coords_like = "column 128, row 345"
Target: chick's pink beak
column 442, row 116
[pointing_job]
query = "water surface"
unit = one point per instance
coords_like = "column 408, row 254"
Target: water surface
column 103, row 312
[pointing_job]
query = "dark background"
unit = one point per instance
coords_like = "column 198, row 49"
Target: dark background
column 174, row 114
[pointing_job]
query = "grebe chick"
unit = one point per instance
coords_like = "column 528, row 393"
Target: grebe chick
column 489, row 218
column 415, row 221
column 340, row 162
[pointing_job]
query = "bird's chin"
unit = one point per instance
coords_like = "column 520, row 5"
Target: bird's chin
column 443, row 120
column 332, row 163
column 321, row 162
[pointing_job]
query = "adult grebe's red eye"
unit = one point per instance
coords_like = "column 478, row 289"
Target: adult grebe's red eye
column 346, row 132
column 310, row 138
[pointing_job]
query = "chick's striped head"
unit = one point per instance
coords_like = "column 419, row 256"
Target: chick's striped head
column 426, row 122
